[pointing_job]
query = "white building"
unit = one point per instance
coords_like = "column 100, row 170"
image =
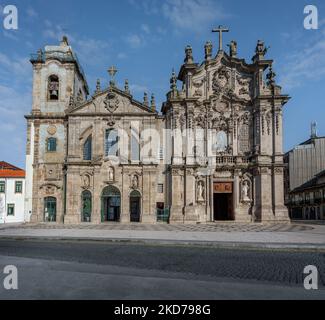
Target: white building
column 12, row 193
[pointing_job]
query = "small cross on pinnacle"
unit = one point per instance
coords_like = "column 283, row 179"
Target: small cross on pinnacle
column 220, row 30
column 112, row 72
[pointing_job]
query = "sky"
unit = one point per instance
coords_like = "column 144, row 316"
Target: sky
column 145, row 40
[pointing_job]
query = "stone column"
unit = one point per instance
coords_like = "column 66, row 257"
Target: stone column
column 98, row 187
column 73, row 197
column 177, row 189
column 149, row 191
column 125, row 199
column 280, row 210
column 263, row 195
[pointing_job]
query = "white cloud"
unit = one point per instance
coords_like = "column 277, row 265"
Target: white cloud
column 135, row 41
column 193, row 15
column 19, row 67
column 145, row 28
column 92, row 51
column 149, row 7
column 304, row 64
column 31, row 13
column 122, row 56
column 136, row 88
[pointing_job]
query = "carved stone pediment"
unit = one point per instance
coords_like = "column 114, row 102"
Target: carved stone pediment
column 111, row 101
column 49, row 188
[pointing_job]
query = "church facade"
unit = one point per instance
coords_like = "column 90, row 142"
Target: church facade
column 213, row 153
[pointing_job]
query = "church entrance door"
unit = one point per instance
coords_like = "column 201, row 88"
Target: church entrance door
column 223, row 201
column 135, row 209
column 111, row 204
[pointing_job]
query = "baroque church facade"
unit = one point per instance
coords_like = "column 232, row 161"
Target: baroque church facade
column 213, row 152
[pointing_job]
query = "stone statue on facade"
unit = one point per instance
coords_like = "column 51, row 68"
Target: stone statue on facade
column 200, row 192
column 135, row 182
column 111, row 174
column 245, row 191
column 208, row 50
column 233, row 49
column 188, row 55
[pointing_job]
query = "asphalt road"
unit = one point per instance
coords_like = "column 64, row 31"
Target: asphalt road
column 87, row 270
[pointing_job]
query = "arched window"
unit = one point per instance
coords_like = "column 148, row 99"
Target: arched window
column 87, row 152
column 111, row 143
column 51, row 145
column 53, row 88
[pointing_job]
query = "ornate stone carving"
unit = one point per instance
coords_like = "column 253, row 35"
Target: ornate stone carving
column 49, row 188
column 223, row 174
column 51, row 130
column 278, row 170
column 111, row 101
column 200, row 121
column 220, row 82
column 245, row 84
column 80, row 98
column 220, row 106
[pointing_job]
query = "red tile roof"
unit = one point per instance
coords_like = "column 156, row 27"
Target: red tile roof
column 7, row 170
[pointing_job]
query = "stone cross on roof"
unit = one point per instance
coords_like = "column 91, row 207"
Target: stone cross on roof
column 220, row 30
column 112, row 72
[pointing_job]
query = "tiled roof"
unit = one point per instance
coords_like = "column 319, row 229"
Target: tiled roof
column 7, row 170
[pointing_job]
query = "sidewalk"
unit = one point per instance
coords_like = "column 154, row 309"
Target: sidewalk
column 312, row 237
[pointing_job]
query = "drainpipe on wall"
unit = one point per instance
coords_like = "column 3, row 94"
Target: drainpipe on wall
column 5, row 207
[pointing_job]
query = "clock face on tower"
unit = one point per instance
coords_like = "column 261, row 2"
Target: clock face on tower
column 222, row 142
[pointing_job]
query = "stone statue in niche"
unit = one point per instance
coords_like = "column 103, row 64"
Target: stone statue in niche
column 111, row 174
column 200, row 191
column 135, row 182
column 85, row 181
column 245, row 191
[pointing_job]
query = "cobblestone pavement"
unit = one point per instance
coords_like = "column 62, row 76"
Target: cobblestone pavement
column 204, row 263
column 214, row 227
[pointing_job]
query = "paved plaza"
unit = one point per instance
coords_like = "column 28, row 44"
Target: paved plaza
column 295, row 235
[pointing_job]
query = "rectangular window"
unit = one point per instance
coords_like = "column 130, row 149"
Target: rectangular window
column 160, row 188
column 135, row 146
column 51, row 144
column 111, row 143
column 11, row 210
column 2, row 187
column 18, row 187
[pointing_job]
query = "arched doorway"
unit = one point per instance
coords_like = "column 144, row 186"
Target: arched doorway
column 135, row 206
column 111, row 204
column 86, row 205
column 50, row 209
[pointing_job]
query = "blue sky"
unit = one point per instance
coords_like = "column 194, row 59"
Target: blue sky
column 145, row 39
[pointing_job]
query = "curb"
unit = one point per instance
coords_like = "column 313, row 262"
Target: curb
column 211, row 244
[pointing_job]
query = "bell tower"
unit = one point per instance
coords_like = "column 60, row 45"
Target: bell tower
column 58, row 80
